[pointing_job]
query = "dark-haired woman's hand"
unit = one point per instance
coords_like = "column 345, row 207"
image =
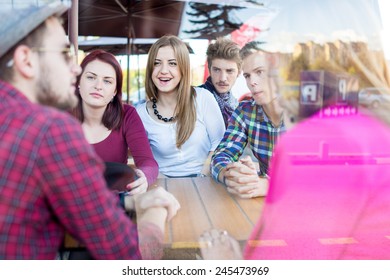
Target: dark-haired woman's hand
column 138, row 186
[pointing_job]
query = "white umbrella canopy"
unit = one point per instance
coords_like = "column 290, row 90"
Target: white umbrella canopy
column 322, row 21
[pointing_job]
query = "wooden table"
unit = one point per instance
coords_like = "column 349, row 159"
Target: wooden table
column 206, row 204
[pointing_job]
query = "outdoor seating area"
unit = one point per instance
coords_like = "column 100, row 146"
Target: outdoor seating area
column 195, row 130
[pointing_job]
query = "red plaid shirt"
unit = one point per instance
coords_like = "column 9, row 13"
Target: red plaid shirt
column 50, row 183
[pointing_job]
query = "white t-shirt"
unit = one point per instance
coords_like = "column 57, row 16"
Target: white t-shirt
column 189, row 159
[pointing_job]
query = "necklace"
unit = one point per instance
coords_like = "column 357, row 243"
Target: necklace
column 154, row 106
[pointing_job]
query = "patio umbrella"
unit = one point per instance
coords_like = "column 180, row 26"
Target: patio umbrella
column 129, row 18
column 124, row 18
column 136, row 19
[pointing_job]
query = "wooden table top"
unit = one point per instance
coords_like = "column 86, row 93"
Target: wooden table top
column 206, row 204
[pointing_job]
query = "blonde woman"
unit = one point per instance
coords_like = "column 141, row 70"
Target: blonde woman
column 183, row 123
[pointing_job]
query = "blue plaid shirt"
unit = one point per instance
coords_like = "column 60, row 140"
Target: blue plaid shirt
column 247, row 125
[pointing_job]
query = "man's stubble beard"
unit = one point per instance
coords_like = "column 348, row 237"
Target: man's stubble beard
column 47, row 94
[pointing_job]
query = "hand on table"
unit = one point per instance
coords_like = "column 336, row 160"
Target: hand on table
column 241, row 179
column 153, row 207
column 219, row 245
column 138, row 186
column 157, row 198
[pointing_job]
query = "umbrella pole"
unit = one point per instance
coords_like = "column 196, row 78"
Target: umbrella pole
column 128, row 69
column 73, row 25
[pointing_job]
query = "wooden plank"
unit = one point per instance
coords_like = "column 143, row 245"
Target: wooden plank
column 251, row 207
column 161, row 182
column 204, row 204
column 223, row 211
column 191, row 220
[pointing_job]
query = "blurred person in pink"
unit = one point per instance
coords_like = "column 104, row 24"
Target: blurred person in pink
column 328, row 193
column 329, row 197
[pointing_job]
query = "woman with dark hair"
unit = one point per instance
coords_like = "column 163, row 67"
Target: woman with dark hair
column 111, row 127
column 183, row 123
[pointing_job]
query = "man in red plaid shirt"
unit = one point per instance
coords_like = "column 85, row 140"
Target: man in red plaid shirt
column 51, row 180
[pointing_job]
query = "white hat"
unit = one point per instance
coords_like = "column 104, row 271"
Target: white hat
column 17, row 23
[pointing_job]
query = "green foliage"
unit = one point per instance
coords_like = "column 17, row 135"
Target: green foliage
column 297, row 65
column 137, row 81
column 212, row 20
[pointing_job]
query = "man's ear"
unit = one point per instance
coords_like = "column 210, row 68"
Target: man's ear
column 24, row 62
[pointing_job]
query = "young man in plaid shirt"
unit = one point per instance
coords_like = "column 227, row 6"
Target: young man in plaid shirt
column 256, row 122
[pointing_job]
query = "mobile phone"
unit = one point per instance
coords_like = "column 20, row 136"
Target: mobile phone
column 118, row 175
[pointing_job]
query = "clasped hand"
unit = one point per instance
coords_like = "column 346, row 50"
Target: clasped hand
column 156, row 198
column 241, row 179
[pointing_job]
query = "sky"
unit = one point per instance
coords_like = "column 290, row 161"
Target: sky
column 322, row 21
column 293, row 21
column 384, row 6
column 303, row 15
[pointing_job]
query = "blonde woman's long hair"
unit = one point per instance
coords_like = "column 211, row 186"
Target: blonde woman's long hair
column 185, row 110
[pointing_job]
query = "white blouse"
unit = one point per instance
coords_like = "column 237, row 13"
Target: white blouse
column 189, row 159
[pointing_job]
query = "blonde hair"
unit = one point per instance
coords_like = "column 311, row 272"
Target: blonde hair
column 185, row 111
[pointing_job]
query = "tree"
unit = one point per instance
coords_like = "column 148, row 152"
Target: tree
column 213, row 20
column 297, row 65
